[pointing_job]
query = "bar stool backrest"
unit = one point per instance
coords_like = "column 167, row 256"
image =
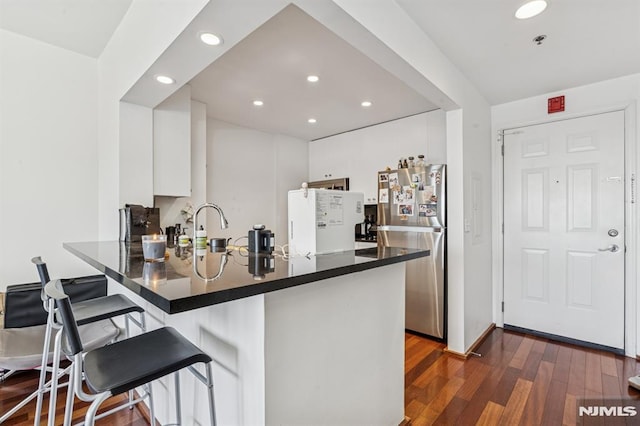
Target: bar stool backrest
column 54, row 290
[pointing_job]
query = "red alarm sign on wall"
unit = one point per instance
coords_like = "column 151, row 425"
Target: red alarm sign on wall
column 555, row 104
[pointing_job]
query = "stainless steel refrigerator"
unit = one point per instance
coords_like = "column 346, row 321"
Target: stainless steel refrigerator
column 412, row 213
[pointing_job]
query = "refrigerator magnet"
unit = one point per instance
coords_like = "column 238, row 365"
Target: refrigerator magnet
column 398, row 197
column 405, row 209
column 393, row 180
column 383, row 177
column 383, row 196
column 408, row 194
column 429, row 190
column 429, row 210
column 416, row 178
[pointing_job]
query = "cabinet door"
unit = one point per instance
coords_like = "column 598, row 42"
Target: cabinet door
column 172, row 145
column 327, row 159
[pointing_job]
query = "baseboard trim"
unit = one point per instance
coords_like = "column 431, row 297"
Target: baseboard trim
column 474, row 346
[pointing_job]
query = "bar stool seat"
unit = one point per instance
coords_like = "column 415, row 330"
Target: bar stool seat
column 104, row 307
column 141, row 359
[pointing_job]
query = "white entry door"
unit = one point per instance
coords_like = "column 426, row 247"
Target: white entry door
column 564, row 228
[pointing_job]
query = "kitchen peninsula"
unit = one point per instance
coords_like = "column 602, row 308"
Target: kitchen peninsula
column 303, row 340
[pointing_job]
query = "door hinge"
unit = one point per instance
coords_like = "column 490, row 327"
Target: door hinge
column 502, row 306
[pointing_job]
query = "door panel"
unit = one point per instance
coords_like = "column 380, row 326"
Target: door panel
column 563, row 191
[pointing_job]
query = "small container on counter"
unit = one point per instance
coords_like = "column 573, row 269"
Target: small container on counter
column 183, row 239
column 201, row 238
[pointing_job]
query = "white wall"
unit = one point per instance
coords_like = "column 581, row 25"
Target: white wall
column 470, row 134
column 144, row 33
column 248, row 175
column 616, row 94
column 136, row 146
column 48, row 157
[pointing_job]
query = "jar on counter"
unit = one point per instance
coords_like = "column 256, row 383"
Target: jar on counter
column 411, row 163
column 420, row 162
column 183, row 239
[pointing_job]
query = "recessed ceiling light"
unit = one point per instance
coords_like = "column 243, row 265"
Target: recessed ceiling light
column 211, row 39
column 164, row 79
column 366, row 104
column 312, row 121
column 313, row 78
column 258, row 102
column 531, row 9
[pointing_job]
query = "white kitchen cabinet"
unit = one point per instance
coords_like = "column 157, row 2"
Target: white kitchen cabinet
column 172, row 145
column 327, row 160
column 361, row 154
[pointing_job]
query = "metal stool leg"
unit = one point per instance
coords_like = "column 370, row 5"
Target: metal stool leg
column 68, row 408
column 53, row 393
column 152, row 413
column 90, row 417
column 212, row 406
column 43, row 367
column 176, row 375
column 127, row 335
column 208, row 382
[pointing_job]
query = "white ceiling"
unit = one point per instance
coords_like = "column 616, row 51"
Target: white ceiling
column 587, row 41
column 272, row 65
column 83, row 26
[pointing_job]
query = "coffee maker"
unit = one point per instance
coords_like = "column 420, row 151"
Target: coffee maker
column 136, row 221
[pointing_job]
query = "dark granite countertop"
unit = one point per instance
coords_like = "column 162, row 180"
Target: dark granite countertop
column 174, row 287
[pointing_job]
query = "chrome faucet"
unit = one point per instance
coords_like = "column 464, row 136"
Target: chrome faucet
column 223, row 221
column 223, row 224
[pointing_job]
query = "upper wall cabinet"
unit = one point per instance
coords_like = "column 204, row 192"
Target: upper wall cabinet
column 360, row 154
column 327, row 159
column 172, row 145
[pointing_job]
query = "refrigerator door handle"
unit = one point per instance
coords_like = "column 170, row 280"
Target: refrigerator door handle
column 410, row 228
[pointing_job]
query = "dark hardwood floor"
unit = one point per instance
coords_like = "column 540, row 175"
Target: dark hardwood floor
column 518, row 380
column 21, row 384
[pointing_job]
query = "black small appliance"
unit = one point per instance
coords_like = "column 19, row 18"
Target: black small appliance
column 261, row 240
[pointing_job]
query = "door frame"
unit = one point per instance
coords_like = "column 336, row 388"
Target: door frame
column 631, row 160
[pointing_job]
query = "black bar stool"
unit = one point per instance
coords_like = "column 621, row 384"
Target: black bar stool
column 129, row 363
column 90, row 311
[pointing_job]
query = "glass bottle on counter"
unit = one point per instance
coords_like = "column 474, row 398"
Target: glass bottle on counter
column 420, row 162
column 400, row 163
column 411, row 163
column 405, row 165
